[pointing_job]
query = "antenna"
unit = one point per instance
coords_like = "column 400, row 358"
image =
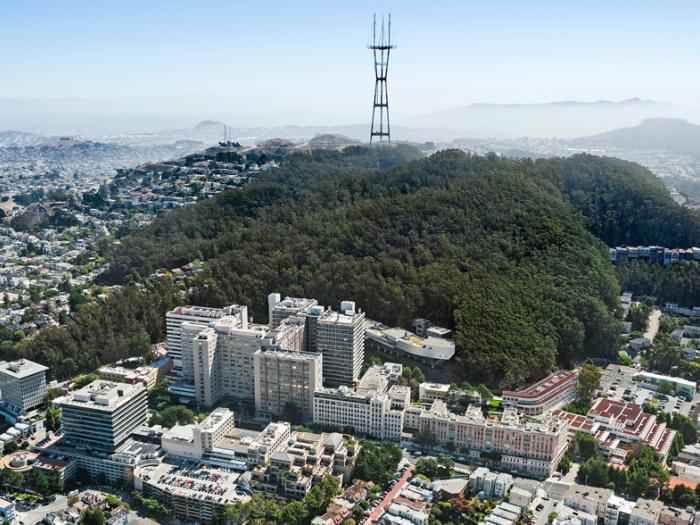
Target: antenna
column 380, row 119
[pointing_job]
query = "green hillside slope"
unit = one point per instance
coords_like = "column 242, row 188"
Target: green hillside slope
column 485, row 245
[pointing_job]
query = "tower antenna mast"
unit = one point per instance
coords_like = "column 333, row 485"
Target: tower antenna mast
column 381, row 128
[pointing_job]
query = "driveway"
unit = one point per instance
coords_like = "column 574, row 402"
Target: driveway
column 653, row 324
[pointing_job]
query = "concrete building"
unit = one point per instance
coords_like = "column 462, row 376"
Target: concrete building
column 199, row 315
column 279, row 310
column 646, row 512
column 681, row 387
column 375, row 407
column 23, row 386
column 554, row 390
column 102, row 415
column 285, row 378
column 429, row 392
column 592, row 500
column 340, row 338
column 520, row 447
column 430, row 350
column 197, row 440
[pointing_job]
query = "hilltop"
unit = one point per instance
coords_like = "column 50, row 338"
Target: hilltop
column 673, row 135
column 485, row 245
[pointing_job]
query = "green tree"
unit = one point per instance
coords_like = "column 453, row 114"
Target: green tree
column 665, row 387
column 586, row 445
column 93, row 517
column 427, row 467
column 588, row 382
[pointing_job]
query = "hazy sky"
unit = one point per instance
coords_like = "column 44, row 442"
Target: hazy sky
column 279, row 62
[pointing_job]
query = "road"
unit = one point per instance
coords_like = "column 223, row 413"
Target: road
column 653, row 324
column 377, row 512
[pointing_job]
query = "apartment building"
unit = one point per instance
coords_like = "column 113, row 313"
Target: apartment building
column 552, row 391
column 375, row 407
column 283, row 378
column 23, row 386
column 518, row 446
column 340, row 338
column 103, row 414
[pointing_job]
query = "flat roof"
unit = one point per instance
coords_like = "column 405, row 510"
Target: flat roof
column 22, row 368
column 102, row 395
column 670, row 379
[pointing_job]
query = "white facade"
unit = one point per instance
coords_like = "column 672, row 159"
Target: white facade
column 375, row 408
column 23, row 385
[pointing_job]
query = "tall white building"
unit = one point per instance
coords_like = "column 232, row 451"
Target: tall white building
column 340, row 338
column 23, row 385
column 286, row 378
column 199, row 315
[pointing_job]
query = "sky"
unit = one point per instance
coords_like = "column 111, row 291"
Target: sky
column 306, row 62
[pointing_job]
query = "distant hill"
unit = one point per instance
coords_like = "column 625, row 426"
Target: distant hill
column 673, row 135
column 566, row 119
column 86, row 156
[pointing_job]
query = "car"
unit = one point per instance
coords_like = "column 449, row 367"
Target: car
column 539, row 507
column 366, row 513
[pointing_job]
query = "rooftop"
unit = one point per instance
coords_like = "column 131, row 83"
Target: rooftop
column 102, row 395
column 546, row 385
column 21, row 368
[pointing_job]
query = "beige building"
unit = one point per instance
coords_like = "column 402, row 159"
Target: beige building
column 518, row 446
column 376, row 407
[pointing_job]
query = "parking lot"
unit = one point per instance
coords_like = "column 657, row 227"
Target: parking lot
column 620, row 386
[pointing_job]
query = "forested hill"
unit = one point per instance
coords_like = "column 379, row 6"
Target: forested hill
column 486, row 245
column 623, row 203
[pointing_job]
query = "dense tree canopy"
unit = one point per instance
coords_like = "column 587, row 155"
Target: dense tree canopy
column 485, row 245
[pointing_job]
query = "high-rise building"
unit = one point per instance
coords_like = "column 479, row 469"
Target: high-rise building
column 102, row 415
column 340, row 338
column 23, row 385
column 199, row 315
column 208, row 380
column 237, row 347
column 279, row 310
column 285, row 378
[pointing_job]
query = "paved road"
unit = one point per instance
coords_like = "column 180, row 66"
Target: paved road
column 653, row 324
column 379, row 510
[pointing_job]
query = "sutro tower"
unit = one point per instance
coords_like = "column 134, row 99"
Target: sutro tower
column 381, row 49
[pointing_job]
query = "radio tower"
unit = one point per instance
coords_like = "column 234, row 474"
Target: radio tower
column 381, row 48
